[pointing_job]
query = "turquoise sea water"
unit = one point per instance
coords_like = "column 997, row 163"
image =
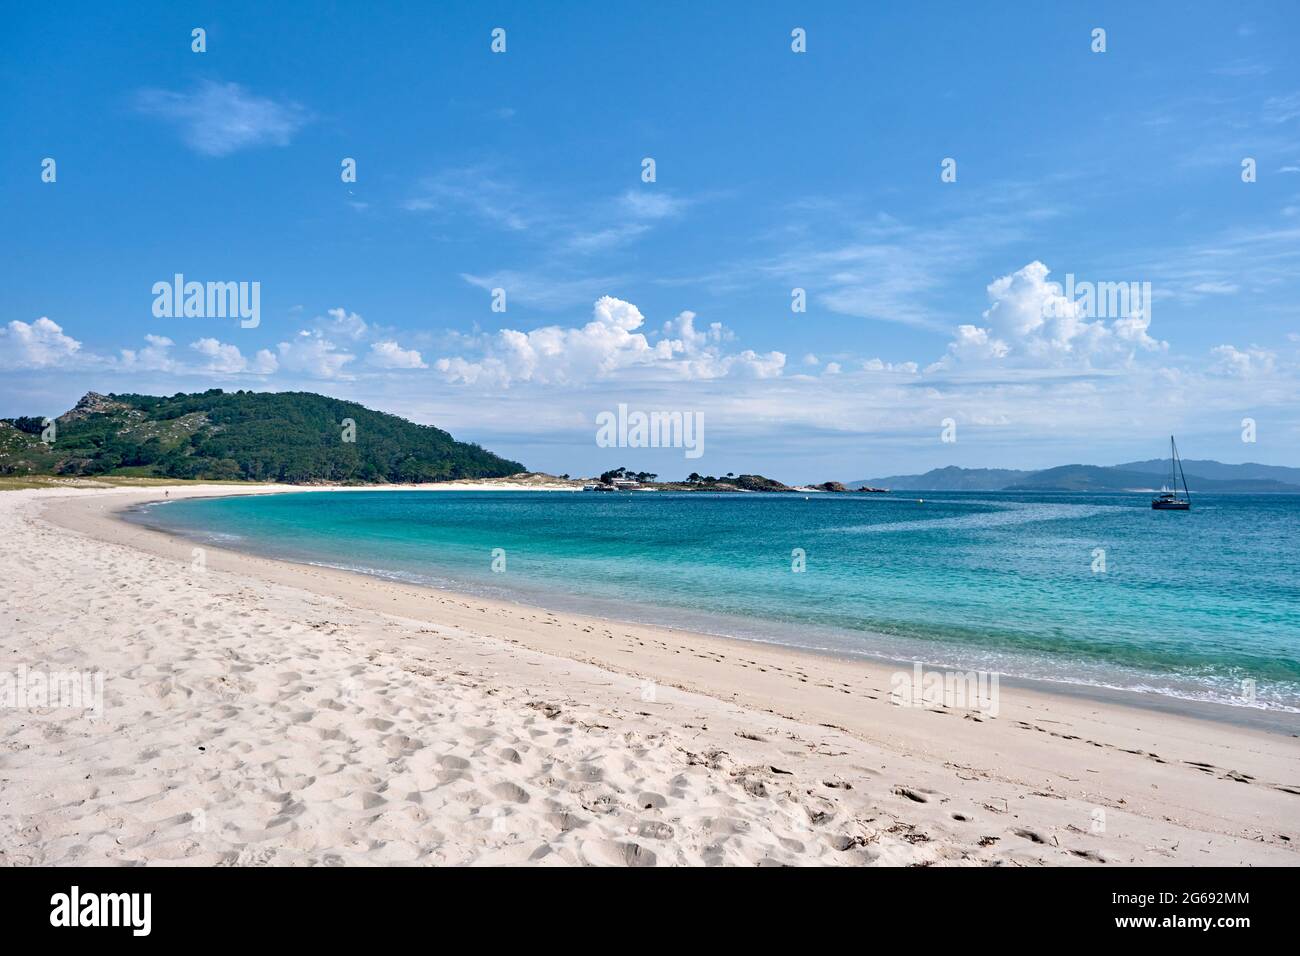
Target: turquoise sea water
column 1189, row 605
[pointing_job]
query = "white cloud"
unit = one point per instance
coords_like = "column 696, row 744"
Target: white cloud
column 310, row 353
column 388, row 354
column 223, row 358
column 217, row 119
column 682, row 329
column 877, row 365
column 1243, row 67
column 1282, row 109
column 559, row 355
column 652, row 203
column 1029, row 320
column 218, row 358
column 344, row 323
column 475, row 190
column 878, row 280
column 746, row 364
column 878, row 267
column 542, row 290
column 154, row 357
column 697, row 354
column 599, row 240
column 1243, row 363
column 37, row 345
column 633, row 214
column 611, row 342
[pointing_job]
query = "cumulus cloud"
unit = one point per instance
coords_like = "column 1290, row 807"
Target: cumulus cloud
column 39, row 344
column 697, row 353
column 878, row 365
column 611, row 342
column 1242, row 363
column 154, row 357
column 563, row 355
column 216, row 358
column 344, row 323
column 223, row 358
column 746, row 364
column 972, row 343
column 689, row 339
column 1029, row 319
column 311, row 353
column 217, row 119
column 388, row 354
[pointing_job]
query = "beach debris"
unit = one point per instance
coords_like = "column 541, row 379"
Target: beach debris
column 550, row 710
column 911, row 795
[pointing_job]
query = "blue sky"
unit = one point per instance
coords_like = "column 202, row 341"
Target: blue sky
column 775, row 170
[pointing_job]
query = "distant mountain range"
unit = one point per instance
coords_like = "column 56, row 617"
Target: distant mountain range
column 252, row 436
column 1203, row 475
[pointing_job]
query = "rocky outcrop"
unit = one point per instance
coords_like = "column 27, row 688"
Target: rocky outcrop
column 93, row 403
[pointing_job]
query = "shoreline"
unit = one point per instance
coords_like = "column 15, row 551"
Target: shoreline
column 1270, row 721
column 769, row 730
column 1273, row 720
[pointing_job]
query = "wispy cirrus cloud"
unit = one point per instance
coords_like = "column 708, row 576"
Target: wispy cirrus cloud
column 1282, row 108
column 882, row 268
column 556, row 225
column 633, row 214
column 477, row 190
column 1242, row 68
column 542, row 289
column 217, row 119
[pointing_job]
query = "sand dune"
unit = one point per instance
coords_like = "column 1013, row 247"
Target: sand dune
column 262, row 713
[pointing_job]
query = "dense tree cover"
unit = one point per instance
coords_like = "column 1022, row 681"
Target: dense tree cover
column 642, row 476
column 254, row 436
column 28, row 424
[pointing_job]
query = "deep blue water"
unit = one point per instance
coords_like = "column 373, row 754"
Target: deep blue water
column 1189, row 604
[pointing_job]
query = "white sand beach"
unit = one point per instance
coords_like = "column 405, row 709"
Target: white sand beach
column 257, row 712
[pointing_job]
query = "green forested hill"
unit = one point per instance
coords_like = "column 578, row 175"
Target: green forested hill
column 255, row 436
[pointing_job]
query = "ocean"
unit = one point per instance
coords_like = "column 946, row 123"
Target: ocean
column 1095, row 590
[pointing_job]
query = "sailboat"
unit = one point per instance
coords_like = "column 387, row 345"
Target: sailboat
column 1169, row 499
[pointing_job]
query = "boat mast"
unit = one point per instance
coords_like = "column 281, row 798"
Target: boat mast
column 1181, row 473
column 1173, row 477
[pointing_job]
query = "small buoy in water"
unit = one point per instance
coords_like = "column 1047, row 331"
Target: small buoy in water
column 920, row 501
